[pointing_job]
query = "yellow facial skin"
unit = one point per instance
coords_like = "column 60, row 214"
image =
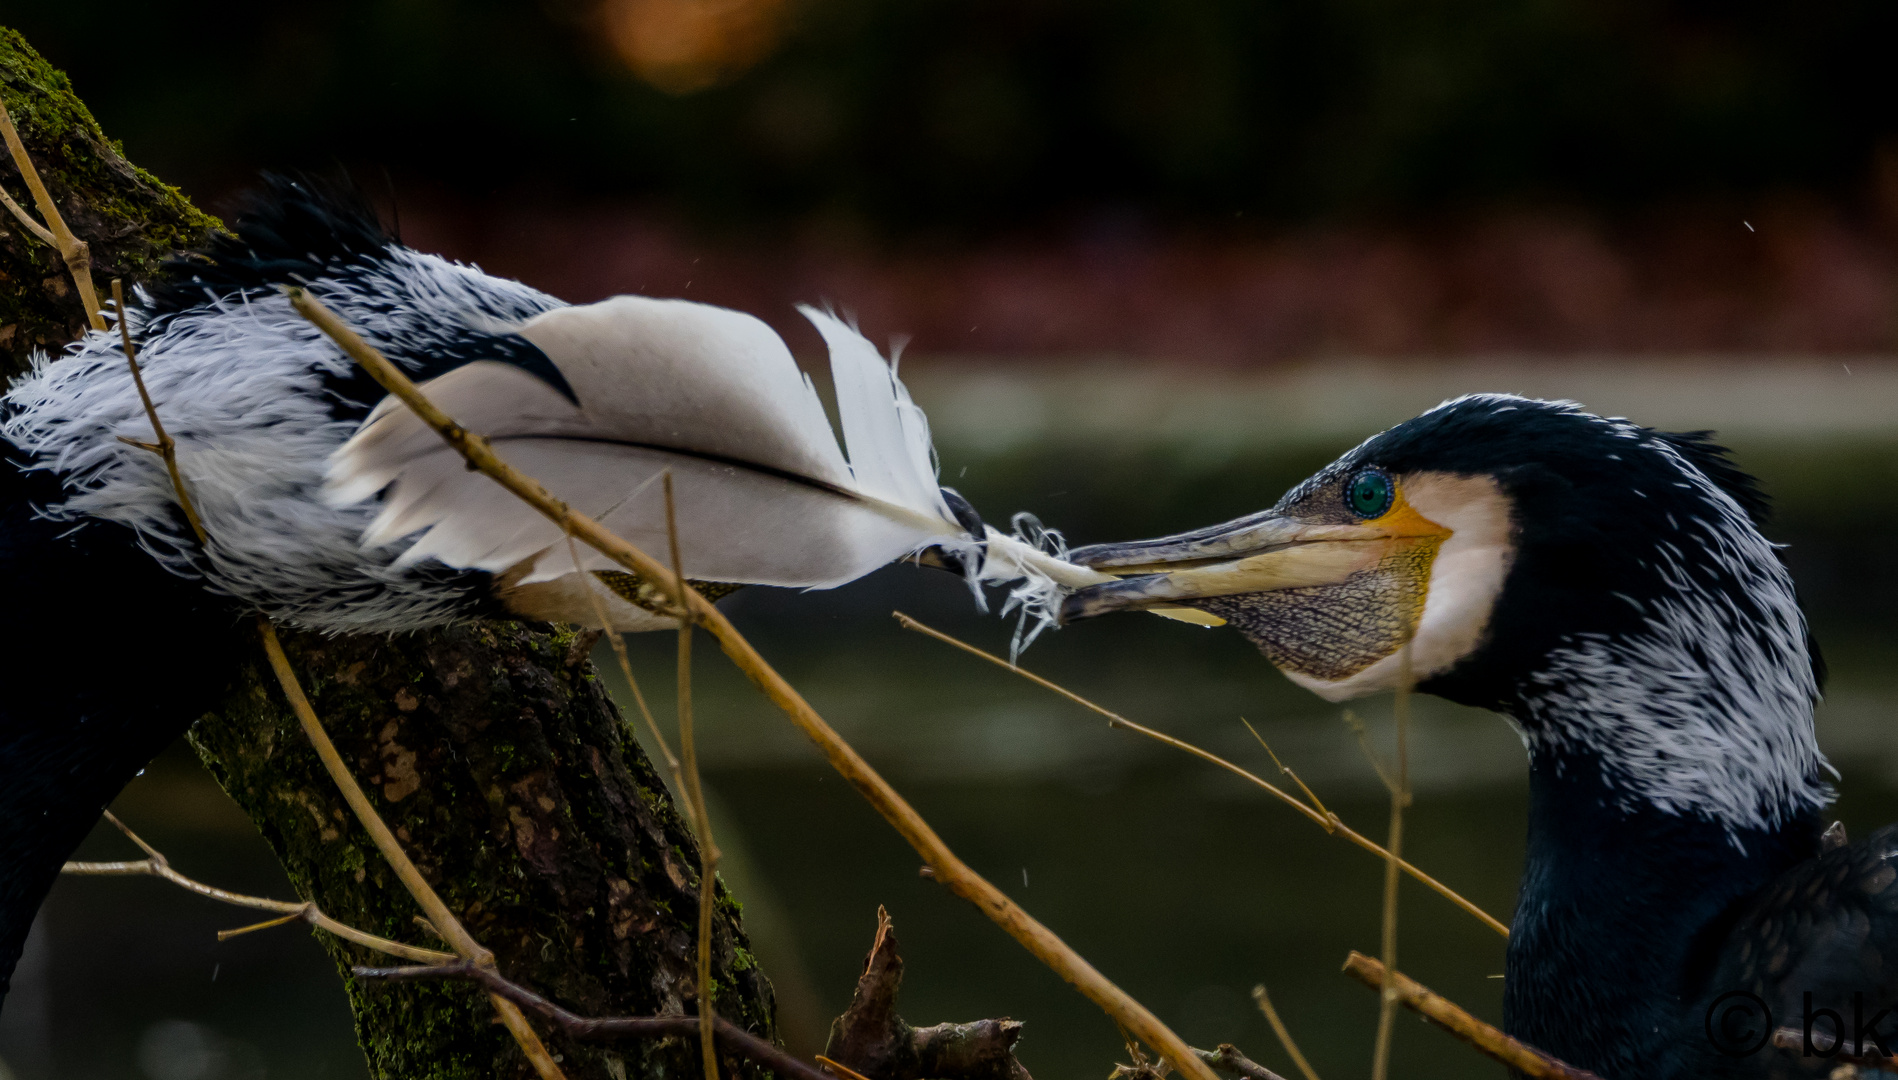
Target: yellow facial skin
column 1323, row 599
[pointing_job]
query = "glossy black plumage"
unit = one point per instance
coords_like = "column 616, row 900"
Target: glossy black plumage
column 1615, row 599
column 1828, row 928
column 1632, row 918
column 108, row 659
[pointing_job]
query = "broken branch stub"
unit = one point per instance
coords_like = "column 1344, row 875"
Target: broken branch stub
column 871, row 1039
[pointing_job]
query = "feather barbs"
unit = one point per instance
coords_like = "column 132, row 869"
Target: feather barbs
column 764, row 494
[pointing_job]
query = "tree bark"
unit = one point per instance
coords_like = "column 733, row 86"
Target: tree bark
column 493, row 751
column 512, row 781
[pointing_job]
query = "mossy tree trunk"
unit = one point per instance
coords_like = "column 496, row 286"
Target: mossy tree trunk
column 492, row 751
column 501, row 765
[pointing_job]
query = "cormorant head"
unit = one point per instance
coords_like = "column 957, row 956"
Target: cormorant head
column 1604, row 585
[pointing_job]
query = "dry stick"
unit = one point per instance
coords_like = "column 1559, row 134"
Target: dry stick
column 1325, row 820
column 72, row 249
column 26, row 219
column 156, row 865
column 601, row 1029
column 689, row 755
column 840, row 1069
column 618, row 641
column 1440, row 1011
column 1797, row 1040
column 1287, row 770
column 1227, row 1058
column 352, row 793
column 625, row 669
column 1400, row 797
column 165, row 447
column 1363, row 734
column 439, row 916
column 948, row 869
column 1284, row 1033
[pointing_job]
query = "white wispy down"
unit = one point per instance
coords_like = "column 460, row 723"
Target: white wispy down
column 238, row 382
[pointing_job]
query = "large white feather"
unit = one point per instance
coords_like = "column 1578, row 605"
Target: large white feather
column 764, row 494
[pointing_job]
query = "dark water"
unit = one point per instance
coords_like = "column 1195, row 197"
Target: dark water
column 1180, row 883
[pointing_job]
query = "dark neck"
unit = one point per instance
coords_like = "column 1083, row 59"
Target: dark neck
column 1619, row 914
column 110, row 659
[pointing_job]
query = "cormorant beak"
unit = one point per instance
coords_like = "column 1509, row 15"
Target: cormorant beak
column 1263, row 553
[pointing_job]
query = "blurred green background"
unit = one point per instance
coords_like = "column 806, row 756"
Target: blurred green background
column 1157, row 262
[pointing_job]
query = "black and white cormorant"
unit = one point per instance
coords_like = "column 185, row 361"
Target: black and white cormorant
column 332, row 508
column 1605, row 587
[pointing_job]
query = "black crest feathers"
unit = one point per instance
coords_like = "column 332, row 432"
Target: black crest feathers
column 289, row 229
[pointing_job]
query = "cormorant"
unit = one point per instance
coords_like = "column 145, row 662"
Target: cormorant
column 1606, row 588
column 330, row 507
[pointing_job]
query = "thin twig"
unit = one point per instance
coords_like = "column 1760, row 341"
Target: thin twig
column 1445, row 1014
column 73, row 250
column 438, row 914
column 1363, row 734
column 1264, row 1001
column 1228, row 1059
column 1324, row 820
column 156, row 865
column 166, row 447
column 26, row 219
column 618, row 641
column 602, row 1029
column 839, row 1069
column 689, row 757
column 949, row 870
column 1331, row 819
column 1798, row 1040
column 1400, row 797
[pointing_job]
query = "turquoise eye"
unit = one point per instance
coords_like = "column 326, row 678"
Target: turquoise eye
column 1369, row 494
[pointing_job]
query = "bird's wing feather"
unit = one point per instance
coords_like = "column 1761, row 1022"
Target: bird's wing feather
column 764, row 494
column 1820, row 936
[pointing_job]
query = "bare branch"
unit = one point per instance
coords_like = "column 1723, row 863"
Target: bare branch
column 1440, row 1011
column 602, row 1029
column 689, row 757
column 1331, row 819
column 156, row 865
column 26, row 219
column 949, row 870
column 618, row 641
column 870, row 1039
column 1325, row 820
column 1228, row 1059
column 165, row 447
column 73, row 250
column 1797, row 1040
column 1400, row 797
column 1284, row 1033
column 438, row 914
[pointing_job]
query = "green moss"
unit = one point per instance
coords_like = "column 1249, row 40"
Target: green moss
column 550, row 915
column 131, row 220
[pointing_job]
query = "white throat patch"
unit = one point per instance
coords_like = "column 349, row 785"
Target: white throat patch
column 1465, row 580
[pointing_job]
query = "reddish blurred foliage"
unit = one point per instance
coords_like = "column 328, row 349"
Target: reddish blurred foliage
column 1792, row 277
